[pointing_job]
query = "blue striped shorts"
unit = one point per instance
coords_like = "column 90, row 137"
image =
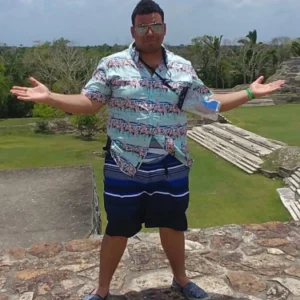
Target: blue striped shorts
column 157, row 196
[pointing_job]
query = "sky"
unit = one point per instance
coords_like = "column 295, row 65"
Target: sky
column 96, row 22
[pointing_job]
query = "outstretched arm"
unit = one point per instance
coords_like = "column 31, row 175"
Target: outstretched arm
column 39, row 93
column 258, row 89
column 93, row 96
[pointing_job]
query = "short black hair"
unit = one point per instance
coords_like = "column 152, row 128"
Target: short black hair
column 145, row 7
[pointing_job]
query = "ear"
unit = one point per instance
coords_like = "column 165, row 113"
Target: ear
column 132, row 31
column 165, row 28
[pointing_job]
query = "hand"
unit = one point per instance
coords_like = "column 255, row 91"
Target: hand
column 39, row 93
column 260, row 90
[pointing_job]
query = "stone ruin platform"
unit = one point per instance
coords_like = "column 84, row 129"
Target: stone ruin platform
column 46, row 204
column 254, row 261
column 242, row 148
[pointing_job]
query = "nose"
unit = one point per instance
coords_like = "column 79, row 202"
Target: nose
column 150, row 32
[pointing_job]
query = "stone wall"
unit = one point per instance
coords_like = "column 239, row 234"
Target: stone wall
column 255, row 261
column 289, row 71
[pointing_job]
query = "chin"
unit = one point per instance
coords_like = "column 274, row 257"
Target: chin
column 151, row 48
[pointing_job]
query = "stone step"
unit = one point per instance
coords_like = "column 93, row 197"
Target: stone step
column 287, row 197
column 224, row 156
column 290, row 184
column 296, row 179
column 294, row 183
column 238, row 141
column 233, row 148
column 228, row 157
column 211, row 140
column 262, row 141
column 295, row 208
column 297, row 173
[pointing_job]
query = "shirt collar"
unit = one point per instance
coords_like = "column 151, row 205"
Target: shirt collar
column 135, row 53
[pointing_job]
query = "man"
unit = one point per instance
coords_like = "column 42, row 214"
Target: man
column 146, row 169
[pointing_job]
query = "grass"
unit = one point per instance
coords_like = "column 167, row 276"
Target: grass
column 220, row 193
column 279, row 122
column 17, row 121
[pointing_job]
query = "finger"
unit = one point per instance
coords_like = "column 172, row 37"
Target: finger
column 24, row 98
column 19, row 88
column 260, row 79
column 33, row 81
column 23, row 94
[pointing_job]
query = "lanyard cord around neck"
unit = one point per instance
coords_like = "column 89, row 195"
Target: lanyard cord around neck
column 164, row 81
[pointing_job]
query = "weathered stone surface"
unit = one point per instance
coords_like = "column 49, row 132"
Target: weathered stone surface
column 2, row 282
column 224, row 243
column 59, row 293
column 43, row 289
column 293, row 285
column 203, row 266
column 275, row 251
column 29, row 274
column 82, row 245
column 27, row 296
column 17, row 253
column 191, row 246
column 294, row 271
column 70, row 283
column 252, row 262
column 277, row 292
column 43, row 250
column 276, row 242
column 77, row 268
column 251, row 250
column 246, row 283
column 86, row 289
column 20, row 287
column 152, row 280
column 214, row 285
column 290, row 250
column 266, row 261
column 92, row 274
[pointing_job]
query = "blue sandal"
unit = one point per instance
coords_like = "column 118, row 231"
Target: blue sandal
column 191, row 291
column 91, row 296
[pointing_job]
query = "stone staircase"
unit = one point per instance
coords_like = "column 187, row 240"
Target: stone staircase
column 238, row 146
column 290, row 195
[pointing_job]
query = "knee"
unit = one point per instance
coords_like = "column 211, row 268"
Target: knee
column 117, row 238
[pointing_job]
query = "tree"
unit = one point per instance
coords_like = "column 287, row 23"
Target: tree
column 214, row 44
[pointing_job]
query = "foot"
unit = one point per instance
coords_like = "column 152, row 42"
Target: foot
column 191, row 291
column 94, row 295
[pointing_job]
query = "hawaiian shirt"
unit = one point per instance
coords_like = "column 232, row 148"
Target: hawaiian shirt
column 141, row 107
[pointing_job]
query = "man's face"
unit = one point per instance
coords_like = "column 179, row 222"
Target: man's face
column 148, row 32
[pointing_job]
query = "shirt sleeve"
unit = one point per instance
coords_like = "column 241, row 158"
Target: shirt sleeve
column 98, row 87
column 199, row 99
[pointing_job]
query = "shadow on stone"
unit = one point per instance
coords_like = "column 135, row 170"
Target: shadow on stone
column 166, row 294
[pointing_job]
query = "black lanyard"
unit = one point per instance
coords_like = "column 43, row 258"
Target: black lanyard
column 182, row 94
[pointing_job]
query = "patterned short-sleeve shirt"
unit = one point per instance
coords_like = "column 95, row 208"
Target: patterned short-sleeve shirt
column 141, row 107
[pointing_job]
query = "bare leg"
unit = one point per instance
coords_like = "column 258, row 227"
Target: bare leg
column 112, row 249
column 173, row 243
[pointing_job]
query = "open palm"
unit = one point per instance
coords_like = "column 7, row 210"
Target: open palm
column 38, row 93
column 259, row 89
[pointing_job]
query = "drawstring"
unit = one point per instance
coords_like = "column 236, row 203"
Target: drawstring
column 166, row 168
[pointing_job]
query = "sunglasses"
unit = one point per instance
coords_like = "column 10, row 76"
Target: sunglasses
column 155, row 28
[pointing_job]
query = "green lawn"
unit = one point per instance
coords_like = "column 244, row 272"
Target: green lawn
column 23, row 121
column 220, row 193
column 281, row 122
